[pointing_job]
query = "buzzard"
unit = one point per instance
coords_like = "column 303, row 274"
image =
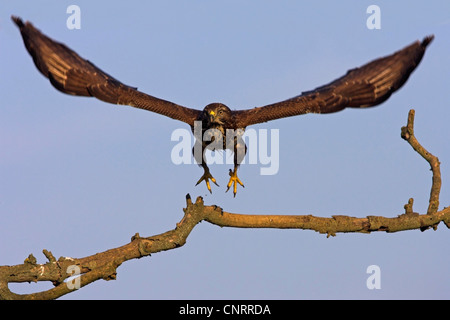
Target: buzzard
column 366, row 86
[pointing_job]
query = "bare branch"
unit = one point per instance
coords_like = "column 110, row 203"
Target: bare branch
column 103, row 265
column 408, row 135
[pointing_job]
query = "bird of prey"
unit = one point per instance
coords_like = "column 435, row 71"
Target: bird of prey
column 366, row 86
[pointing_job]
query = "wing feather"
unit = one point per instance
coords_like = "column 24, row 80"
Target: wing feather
column 71, row 74
column 367, row 86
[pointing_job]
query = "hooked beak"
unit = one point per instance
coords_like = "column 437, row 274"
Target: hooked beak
column 212, row 117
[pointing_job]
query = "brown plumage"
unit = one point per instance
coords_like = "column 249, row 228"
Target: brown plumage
column 367, row 86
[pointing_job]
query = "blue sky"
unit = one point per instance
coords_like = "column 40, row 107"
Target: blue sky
column 79, row 176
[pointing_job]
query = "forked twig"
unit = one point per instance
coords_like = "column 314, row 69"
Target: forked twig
column 408, row 135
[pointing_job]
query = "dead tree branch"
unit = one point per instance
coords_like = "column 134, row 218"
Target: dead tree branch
column 104, row 265
column 408, row 135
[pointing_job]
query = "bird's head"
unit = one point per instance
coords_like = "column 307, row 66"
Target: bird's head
column 217, row 114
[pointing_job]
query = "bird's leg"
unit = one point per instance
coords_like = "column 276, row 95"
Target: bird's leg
column 240, row 149
column 234, row 180
column 206, row 174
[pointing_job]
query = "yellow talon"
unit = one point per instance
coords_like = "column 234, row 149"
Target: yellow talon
column 207, row 176
column 234, row 180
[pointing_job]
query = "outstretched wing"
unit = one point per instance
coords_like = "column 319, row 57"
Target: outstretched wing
column 362, row 87
column 71, row 74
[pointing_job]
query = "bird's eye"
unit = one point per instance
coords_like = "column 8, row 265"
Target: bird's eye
column 221, row 112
